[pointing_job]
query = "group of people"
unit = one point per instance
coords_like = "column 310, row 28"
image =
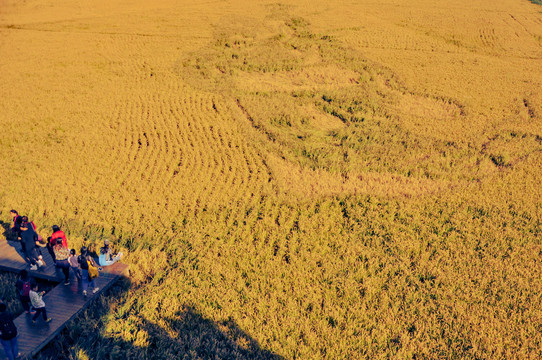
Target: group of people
column 25, row 231
column 31, row 243
column 82, row 265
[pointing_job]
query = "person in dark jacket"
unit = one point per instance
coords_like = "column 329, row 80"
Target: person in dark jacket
column 83, row 260
column 29, row 240
column 16, row 226
column 23, row 286
column 8, row 335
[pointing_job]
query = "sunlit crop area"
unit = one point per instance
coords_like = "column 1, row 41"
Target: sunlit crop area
column 316, row 180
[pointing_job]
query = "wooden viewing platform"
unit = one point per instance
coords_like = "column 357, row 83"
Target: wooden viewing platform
column 63, row 302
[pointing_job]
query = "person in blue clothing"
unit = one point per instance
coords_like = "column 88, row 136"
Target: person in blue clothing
column 8, row 333
column 107, row 257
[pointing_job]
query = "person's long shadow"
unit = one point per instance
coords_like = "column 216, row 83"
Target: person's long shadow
column 185, row 335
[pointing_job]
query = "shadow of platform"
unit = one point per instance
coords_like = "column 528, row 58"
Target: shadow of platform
column 186, row 334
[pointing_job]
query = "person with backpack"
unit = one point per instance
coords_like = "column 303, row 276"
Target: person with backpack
column 52, row 240
column 16, row 226
column 37, row 302
column 29, row 240
column 23, row 286
column 85, row 261
column 61, row 256
column 58, row 234
column 8, row 335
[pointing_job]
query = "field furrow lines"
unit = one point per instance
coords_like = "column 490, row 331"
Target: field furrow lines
column 286, row 180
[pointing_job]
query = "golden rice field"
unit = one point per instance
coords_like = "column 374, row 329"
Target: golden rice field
column 299, row 179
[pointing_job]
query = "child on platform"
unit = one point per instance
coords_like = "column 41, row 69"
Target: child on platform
column 74, row 264
column 37, row 302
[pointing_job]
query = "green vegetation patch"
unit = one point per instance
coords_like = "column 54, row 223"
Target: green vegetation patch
column 325, row 106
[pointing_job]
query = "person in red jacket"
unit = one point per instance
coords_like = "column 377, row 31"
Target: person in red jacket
column 52, row 240
column 57, row 233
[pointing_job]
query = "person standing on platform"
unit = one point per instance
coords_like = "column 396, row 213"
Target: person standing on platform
column 29, row 240
column 61, row 256
column 39, row 244
column 8, row 334
column 57, row 234
column 83, row 260
column 37, row 302
column 74, row 264
column 23, row 285
column 16, row 226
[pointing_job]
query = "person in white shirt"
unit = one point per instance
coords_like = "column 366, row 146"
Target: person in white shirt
column 36, row 298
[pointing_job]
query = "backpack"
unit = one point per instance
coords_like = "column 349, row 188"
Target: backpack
column 25, row 289
column 9, row 331
column 92, row 271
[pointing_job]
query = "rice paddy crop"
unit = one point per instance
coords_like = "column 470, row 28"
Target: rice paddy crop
column 300, row 180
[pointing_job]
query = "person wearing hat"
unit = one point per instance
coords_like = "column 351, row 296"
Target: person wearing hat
column 107, row 257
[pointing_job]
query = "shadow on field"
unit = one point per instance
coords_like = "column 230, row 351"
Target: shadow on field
column 184, row 335
column 195, row 337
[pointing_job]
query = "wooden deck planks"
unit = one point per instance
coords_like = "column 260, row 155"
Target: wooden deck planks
column 12, row 259
column 63, row 303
